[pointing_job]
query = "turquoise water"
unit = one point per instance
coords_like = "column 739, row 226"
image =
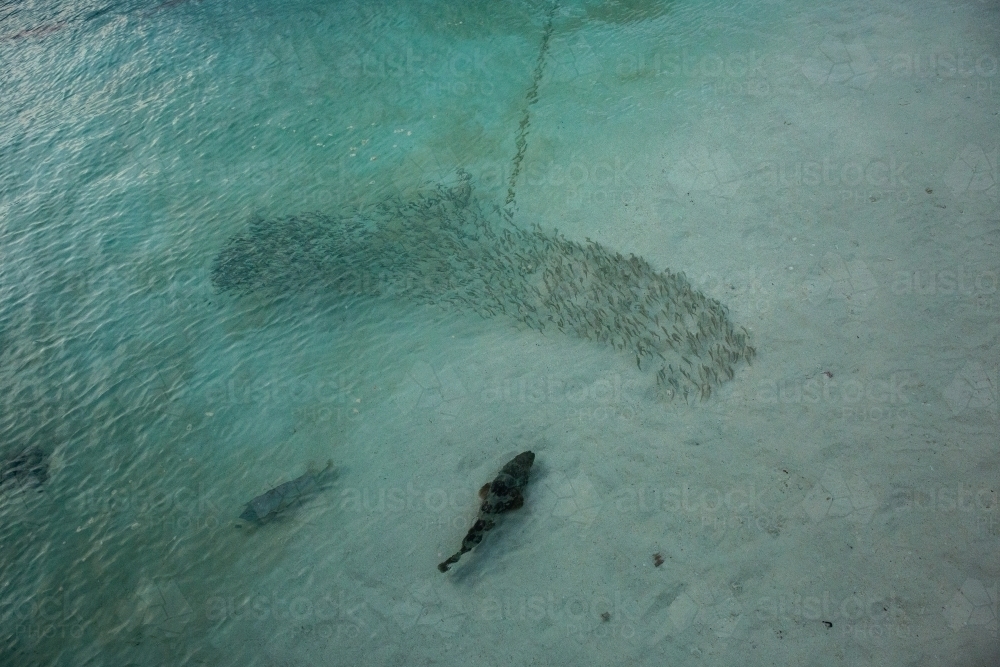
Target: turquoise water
column 137, row 138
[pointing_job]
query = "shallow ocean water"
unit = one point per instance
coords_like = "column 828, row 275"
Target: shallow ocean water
column 136, row 138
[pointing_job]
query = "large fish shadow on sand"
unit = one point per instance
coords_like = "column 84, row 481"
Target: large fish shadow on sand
column 283, row 499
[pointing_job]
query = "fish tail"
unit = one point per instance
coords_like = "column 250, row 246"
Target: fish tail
column 451, row 561
column 471, row 540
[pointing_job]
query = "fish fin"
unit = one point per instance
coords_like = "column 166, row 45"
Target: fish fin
column 484, row 490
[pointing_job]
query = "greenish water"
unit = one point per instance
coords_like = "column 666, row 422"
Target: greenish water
column 136, row 139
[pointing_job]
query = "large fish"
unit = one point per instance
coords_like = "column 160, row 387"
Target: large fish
column 268, row 505
column 30, row 466
column 500, row 495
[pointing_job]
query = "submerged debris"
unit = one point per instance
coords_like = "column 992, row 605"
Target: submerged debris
column 268, row 505
column 440, row 247
column 499, row 496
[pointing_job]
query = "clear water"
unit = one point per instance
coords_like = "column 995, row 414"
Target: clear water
column 136, row 138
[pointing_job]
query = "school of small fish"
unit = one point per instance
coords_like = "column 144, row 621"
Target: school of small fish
column 441, row 247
